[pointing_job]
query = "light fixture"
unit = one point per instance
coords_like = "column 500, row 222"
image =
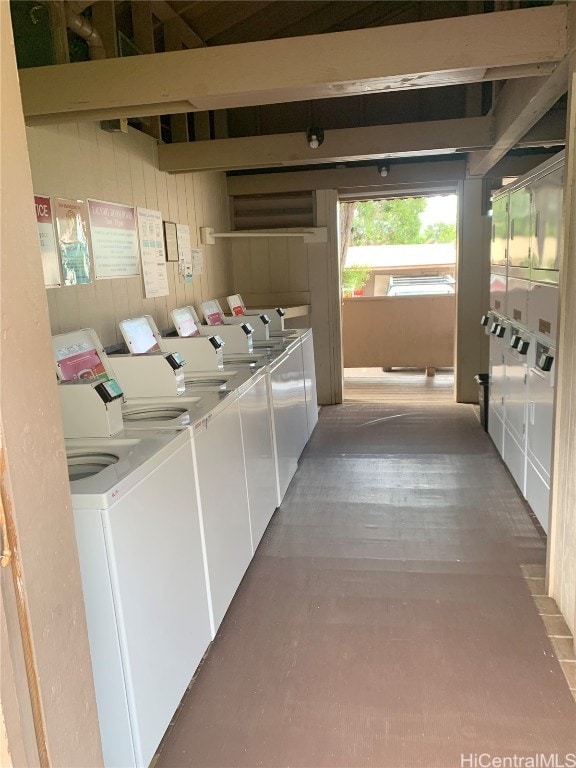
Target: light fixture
column 383, row 170
column 315, row 137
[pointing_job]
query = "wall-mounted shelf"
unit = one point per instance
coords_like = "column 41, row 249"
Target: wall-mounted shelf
column 310, row 234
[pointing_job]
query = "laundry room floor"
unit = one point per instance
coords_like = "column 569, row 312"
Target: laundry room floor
column 386, row 619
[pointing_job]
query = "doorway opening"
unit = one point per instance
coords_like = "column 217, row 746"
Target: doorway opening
column 398, row 276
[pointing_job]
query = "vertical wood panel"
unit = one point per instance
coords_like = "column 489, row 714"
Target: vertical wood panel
column 121, row 145
column 53, row 311
column 68, row 134
column 107, row 166
column 260, row 264
column 123, row 168
column 240, row 254
column 297, row 264
column 162, row 191
column 279, row 264
column 92, row 174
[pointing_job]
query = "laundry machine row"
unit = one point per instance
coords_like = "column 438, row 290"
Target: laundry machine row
column 171, row 495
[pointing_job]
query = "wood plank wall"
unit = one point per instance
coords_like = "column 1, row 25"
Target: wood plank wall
column 80, row 161
column 283, row 271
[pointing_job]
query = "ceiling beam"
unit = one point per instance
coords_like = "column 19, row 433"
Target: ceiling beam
column 422, row 54
column 340, row 145
column 520, row 105
column 167, row 15
column 442, row 171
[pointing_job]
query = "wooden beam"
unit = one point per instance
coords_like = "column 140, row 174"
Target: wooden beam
column 521, row 104
column 410, row 175
column 143, row 29
column 163, row 11
column 341, row 145
column 418, row 55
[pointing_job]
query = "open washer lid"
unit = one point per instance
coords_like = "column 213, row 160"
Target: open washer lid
column 80, row 355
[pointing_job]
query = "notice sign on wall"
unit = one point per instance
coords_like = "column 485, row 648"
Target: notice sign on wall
column 47, row 239
column 152, row 253
column 184, row 252
column 114, row 239
column 71, row 226
column 197, row 261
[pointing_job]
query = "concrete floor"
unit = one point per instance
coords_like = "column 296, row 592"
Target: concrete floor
column 385, row 619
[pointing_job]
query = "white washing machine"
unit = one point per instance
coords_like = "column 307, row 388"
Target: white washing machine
column 309, row 370
column 140, row 549
column 289, row 413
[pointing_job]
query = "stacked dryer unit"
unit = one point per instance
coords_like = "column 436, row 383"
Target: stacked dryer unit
column 522, row 323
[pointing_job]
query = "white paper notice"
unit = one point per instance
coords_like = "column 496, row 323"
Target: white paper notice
column 197, row 261
column 184, row 252
column 48, row 250
column 152, row 253
column 114, row 239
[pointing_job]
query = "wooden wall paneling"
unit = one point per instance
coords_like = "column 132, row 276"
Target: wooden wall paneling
column 260, row 264
column 75, row 179
column 89, row 152
column 240, row 258
column 121, row 145
column 52, row 295
column 178, row 292
column 68, row 309
column 172, row 193
column 162, row 192
column 181, row 196
column 149, row 174
column 137, row 177
column 108, row 169
column 38, row 178
column 89, row 311
column 120, row 298
column 207, row 249
column 279, row 264
column 297, row 265
column 192, row 291
column 122, row 168
column 325, row 310
column 161, row 313
column 45, row 161
column 135, row 288
column 108, row 326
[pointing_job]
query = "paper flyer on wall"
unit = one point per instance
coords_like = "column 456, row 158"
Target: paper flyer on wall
column 152, row 253
column 184, row 252
column 72, row 231
column 47, row 239
column 197, row 261
column 114, row 239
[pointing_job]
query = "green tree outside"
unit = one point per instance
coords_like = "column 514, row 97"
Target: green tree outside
column 440, row 232
column 388, row 222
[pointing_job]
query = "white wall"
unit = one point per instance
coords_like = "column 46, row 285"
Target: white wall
column 80, row 161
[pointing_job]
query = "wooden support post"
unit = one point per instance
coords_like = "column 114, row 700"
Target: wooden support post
column 59, row 31
column 104, row 19
column 143, row 29
column 173, row 42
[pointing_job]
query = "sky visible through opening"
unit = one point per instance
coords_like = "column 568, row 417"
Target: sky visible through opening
column 440, row 208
